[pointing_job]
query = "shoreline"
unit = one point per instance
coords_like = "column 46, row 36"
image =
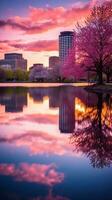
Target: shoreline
column 99, row 88
column 30, row 84
column 90, row 87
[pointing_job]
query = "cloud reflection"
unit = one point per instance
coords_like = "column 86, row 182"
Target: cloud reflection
column 34, row 173
column 40, row 142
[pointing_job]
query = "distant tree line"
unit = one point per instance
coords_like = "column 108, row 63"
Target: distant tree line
column 13, row 75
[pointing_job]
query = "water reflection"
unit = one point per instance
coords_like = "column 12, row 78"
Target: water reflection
column 48, row 136
column 64, row 99
column 37, row 173
column 66, row 111
column 13, row 99
column 94, row 137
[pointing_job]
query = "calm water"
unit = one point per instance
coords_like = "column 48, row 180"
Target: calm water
column 55, row 144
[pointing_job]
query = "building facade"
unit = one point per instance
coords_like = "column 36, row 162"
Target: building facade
column 54, row 66
column 66, row 44
column 14, row 61
column 53, row 61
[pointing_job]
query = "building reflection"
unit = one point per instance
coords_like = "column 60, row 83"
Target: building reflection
column 67, row 98
column 62, row 97
column 54, row 98
column 66, row 110
column 13, row 99
column 87, row 116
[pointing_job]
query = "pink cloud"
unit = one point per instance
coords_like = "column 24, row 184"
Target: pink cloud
column 34, row 173
column 41, row 20
column 4, row 46
column 43, row 45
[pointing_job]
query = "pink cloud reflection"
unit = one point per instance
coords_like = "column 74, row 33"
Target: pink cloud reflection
column 34, row 173
column 37, row 118
column 38, row 142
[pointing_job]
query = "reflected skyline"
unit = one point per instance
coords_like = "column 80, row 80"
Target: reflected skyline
column 67, row 101
column 86, row 116
column 13, row 100
column 58, row 98
column 55, row 138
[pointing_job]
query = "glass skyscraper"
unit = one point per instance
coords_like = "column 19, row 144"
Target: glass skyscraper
column 66, row 45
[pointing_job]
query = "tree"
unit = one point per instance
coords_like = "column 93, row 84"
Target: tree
column 70, row 69
column 9, row 74
column 93, row 46
column 94, row 41
column 2, row 74
column 20, row 75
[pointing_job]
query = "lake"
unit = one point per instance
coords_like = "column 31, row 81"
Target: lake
column 55, row 143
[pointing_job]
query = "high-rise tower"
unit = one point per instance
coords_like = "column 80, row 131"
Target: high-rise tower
column 66, row 45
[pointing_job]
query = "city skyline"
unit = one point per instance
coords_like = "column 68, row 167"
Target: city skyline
column 32, row 28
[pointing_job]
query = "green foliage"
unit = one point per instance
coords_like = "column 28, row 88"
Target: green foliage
column 2, row 74
column 18, row 75
column 13, row 75
column 9, row 74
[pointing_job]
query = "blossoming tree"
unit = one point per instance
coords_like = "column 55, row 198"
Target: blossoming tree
column 94, row 41
column 93, row 45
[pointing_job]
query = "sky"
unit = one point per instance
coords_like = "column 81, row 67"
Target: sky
column 32, row 27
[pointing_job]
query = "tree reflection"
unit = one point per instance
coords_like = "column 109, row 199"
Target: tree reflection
column 94, row 138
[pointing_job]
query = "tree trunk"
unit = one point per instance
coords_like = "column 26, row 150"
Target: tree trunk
column 108, row 78
column 99, row 110
column 100, row 78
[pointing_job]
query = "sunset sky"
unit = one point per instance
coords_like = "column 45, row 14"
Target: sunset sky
column 32, row 27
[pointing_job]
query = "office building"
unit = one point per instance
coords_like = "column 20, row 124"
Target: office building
column 66, row 45
column 53, row 61
column 14, row 61
column 54, row 72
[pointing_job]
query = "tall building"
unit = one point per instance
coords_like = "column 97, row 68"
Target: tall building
column 14, row 61
column 54, row 67
column 53, row 61
column 66, row 44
